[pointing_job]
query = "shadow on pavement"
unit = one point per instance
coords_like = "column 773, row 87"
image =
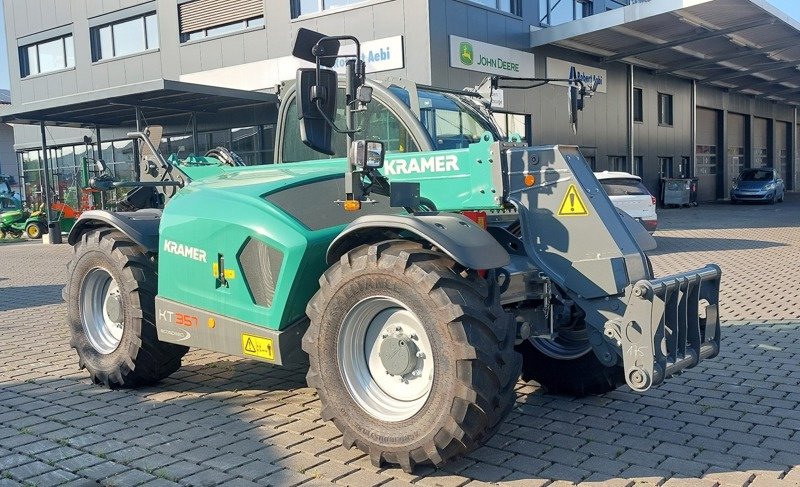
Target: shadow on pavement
column 674, row 245
column 20, row 297
column 220, row 419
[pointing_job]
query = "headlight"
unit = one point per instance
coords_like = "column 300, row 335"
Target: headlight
column 770, row 186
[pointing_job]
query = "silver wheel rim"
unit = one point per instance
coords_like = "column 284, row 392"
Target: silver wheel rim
column 103, row 322
column 365, row 328
column 570, row 344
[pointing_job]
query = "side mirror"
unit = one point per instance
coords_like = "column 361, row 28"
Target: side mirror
column 316, row 107
column 308, row 45
column 101, row 165
column 367, row 155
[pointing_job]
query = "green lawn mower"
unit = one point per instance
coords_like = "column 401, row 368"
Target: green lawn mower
column 16, row 222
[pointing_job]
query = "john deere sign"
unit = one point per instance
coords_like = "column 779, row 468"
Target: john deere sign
column 489, row 58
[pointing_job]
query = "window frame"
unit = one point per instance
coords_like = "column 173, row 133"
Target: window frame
column 95, row 33
column 638, row 115
column 662, row 121
column 244, row 26
column 580, row 10
column 25, row 61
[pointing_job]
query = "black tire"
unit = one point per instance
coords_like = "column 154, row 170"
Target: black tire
column 573, row 377
column 472, row 340
column 35, row 230
column 577, row 377
column 774, row 199
column 139, row 358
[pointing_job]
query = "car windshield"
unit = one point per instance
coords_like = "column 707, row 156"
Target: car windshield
column 451, row 123
column 624, row 187
column 756, row 175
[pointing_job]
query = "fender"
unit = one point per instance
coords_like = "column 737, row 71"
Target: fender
column 140, row 226
column 455, row 235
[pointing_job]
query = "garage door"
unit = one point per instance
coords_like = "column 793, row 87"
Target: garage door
column 736, row 147
column 705, row 160
column 760, row 143
column 782, row 147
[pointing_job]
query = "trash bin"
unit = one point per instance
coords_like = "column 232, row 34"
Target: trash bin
column 53, row 233
column 693, row 192
column 677, row 192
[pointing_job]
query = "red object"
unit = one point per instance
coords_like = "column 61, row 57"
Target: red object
column 653, row 198
column 479, row 217
column 650, row 225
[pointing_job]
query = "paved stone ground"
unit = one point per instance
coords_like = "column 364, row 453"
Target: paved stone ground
column 732, row 421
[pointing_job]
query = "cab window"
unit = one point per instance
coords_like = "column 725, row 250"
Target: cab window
column 378, row 123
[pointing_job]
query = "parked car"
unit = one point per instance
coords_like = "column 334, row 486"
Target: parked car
column 762, row 184
column 628, row 194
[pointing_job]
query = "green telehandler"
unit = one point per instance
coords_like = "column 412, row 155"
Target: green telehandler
column 418, row 273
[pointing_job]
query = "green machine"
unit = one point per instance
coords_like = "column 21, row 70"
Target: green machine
column 14, row 219
column 418, row 272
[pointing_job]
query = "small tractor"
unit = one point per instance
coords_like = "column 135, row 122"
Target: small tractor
column 418, row 282
column 14, row 219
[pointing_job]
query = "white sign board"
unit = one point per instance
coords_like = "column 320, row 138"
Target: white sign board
column 498, row 99
column 379, row 55
column 489, row 58
column 558, row 68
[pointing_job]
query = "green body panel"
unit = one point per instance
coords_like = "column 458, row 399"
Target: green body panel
column 219, row 213
column 12, row 216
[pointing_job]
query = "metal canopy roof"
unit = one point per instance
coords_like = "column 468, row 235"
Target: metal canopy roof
column 747, row 46
column 159, row 99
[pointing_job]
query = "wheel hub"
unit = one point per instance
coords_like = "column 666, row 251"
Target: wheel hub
column 398, row 354
column 385, row 357
column 114, row 308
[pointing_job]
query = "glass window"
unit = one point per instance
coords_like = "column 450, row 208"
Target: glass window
column 129, row 37
column 451, row 124
column 47, row 56
column 380, row 123
column 617, row 163
column 554, row 12
column 305, row 7
column 125, row 37
column 664, row 109
column 638, row 166
column 151, row 25
column 638, row 102
column 665, row 167
column 223, row 29
column 624, row 187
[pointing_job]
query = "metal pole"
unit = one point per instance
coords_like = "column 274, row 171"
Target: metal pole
column 100, row 157
column 136, row 156
column 195, row 139
column 794, row 154
column 631, row 151
column 689, row 171
column 45, row 160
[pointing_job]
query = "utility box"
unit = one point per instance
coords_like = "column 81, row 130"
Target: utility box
column 677, row 192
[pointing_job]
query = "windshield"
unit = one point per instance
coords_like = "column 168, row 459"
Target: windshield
column 451, row 123
column 624, row 187
column 756, row 175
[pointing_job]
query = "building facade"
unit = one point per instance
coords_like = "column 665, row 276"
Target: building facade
column 649, row 118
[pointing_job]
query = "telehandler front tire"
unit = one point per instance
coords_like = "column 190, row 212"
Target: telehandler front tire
column 110, row 295
column 411, row 354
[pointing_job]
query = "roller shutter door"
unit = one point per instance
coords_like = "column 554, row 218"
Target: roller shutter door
column 706, row 155
column 760, row 143
column 737, row 137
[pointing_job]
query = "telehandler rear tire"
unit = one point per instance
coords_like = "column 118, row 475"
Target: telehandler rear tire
column 579, row 376
column 411, row 354
column 110, row 295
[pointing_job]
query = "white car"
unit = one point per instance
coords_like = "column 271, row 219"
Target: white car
column 628, row 194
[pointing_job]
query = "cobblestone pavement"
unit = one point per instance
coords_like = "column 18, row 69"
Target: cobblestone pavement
column 734, row 420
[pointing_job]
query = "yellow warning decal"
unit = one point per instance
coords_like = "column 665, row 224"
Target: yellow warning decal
column 572, row 204
column 258, row 346
column 229, row 273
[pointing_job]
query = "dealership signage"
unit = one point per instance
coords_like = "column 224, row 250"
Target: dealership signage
column 558, row 68
column 378, row 55
column 489, row 58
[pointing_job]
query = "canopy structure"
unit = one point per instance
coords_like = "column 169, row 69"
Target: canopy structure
column 111, row 107
column 748, row 46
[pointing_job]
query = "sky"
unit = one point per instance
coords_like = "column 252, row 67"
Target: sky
column 791, row 7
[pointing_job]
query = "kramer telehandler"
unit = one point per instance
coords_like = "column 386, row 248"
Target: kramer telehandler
column 417, row 282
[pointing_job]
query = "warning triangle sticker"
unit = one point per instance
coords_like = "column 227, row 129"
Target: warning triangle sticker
column 249, row 347
column 572, row 204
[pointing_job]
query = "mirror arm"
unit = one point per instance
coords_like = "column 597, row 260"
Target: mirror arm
column 331, row 123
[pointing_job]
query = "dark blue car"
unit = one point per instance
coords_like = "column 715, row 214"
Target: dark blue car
column 763, row 184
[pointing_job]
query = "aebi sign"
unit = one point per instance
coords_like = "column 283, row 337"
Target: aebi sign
column 489, row 58
column 558, row 68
